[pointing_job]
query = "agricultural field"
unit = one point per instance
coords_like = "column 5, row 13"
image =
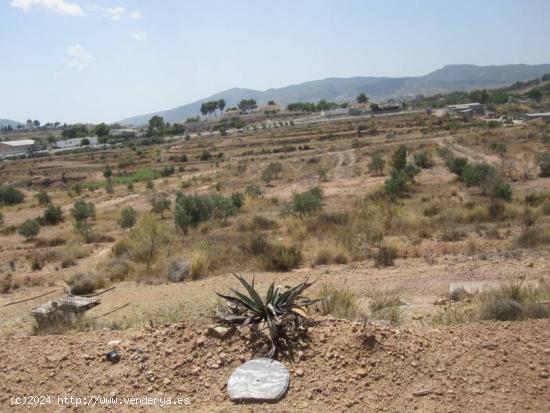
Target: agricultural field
column 419, row 230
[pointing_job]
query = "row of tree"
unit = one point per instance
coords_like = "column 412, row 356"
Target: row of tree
column 212, row 106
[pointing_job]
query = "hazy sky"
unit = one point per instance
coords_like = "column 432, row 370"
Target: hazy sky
column 93, row 60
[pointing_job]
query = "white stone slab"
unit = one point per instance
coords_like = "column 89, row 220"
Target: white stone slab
column 258, row 380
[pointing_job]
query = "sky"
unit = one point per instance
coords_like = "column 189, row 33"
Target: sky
column 93, row 61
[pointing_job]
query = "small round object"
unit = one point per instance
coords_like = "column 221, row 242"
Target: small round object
column 113, row 356
column 258, row 380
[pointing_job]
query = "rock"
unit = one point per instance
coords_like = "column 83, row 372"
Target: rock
column 221, row 332
column 178, row 270
column 200, row 342
column 113, row 343
column 299, row 372
column 361, row 372
column 424, row 392
column 543, row 375
column 258, row 380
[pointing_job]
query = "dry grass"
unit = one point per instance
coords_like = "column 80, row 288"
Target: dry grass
column 339, row 302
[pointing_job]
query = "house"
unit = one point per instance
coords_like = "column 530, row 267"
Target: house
column 15, row 148
column 231, row 112
column 269, row 108
column 464, row 109
column 334, row 112
column 75, row 142
column 359, row 108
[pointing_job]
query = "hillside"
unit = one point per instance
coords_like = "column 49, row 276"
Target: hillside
column 9, row 122
column 446, row 79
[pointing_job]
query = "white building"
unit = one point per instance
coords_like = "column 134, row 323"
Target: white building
column 75, row 142
column 14, row 148
column 467, row 108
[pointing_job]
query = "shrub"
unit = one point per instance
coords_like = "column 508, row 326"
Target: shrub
column 487, row 179
column 29, row 229
column 194, row 209
column 205, row 156
column 43, row 197
column 52, row 215
column 238, row 199
column 385, row 306
column 160, row 203
column 253, row 191
column 397, row 185
column 82, row 211
column 326, row 256
column 146, row 239
column 307, row 202
column 167, row 171
column 284, row 257
column 377, row 164
column 385, row 256
column 109, row 186
column 128, row 218
column 533, row 237
column 150, row 184
column 83, row 284
column 457, row 165
column 423, row 160
column 399, row 158
column 272, row 171
column 339, row 302
column 514, row 300
column 10, row 195
column 199, row 264
column 544, row 164
column 1, row 218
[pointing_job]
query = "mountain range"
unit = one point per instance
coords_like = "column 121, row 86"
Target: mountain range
column 447, row 79
column 9, row 122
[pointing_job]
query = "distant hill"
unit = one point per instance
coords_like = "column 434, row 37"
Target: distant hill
column 446, row 79
column 9, row 122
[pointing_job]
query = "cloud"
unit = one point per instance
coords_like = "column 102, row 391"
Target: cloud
column 139, row 35
column 136, row 15
column 76, row 57
column 57, row 6
column 114, row 13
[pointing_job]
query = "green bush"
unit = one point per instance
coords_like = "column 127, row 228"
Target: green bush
column 272, row 171
column 253, row 191
column 457, row 165
column 82, row 211
column 52, row 215
column 43, row 197
column 29, row 229
column 397, row 185
column 284, row 258
column 423, row 160
column 399, row 158
column 307, row 202
column 194, row 209
column 10, row 196
column 128, row 218
column 377, row 164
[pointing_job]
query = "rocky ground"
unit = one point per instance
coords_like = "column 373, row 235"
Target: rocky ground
column 482, row 367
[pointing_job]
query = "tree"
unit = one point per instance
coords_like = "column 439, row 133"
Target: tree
column 82, row 211
column 377, row 164
column 128, row 218
column 84, row 142
column 107, row 172
column 156, row 125
column 52, row 215
column 36, row 123
column 399, row 158
column 29, row 229
column 160, row 203
column 221, row 105
column 247, row 105
column 362, row 98
column 272, row 171
column 147, row 238
column 534, row 94
column 100, row 130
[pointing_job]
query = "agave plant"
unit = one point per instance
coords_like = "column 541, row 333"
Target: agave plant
column 284, row 310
